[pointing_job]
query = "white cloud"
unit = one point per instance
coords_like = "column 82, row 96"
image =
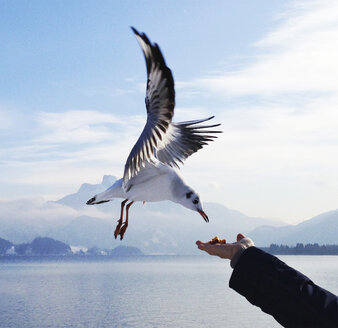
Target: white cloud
column 278, row 153
column 67, row 149
column 190, row 113
column 75, row 126
column 34, row 210
column 6, row 118
column 299, row 56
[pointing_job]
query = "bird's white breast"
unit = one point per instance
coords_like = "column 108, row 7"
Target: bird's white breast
column 153, row 183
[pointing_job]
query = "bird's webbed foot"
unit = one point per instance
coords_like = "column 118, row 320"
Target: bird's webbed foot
column 123, row 230
column 125, row 224
column 118, row 228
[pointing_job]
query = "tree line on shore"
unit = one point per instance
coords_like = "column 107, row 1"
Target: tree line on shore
column 301, row 249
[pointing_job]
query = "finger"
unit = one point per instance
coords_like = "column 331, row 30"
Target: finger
column 200, row 244
column 240, row 237
column 206, row 247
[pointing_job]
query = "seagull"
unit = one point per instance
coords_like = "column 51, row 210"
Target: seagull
column 151, row 170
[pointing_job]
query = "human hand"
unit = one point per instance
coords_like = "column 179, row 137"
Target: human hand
column 226, row 251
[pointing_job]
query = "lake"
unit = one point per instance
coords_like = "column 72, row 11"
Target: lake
column 149, row 291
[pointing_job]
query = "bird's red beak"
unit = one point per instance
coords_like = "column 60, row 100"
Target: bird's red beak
column 204, row 216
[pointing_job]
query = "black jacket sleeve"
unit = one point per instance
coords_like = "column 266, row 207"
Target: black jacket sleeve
column 289, row 296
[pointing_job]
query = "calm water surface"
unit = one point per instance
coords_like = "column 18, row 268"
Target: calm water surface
column 137, row 292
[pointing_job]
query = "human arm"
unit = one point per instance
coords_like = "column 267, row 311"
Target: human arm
column 279, row 290
column 285, row 293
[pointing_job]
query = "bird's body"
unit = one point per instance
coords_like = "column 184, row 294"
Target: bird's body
column 150, row 173
column 154, row 183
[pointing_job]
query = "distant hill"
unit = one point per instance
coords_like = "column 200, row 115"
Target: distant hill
column 49, row 246
column 321, row 229
column 43, row 246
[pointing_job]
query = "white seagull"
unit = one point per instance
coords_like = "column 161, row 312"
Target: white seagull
column 150, row 173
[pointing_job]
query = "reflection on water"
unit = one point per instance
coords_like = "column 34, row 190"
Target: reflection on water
column 138, row 292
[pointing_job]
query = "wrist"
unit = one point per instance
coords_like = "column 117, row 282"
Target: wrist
column 243, row 244
column 237, row 255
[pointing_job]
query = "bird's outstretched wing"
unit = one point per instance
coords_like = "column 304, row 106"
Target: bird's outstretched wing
column 160, row 103
column 185, row 138
column 161, row 139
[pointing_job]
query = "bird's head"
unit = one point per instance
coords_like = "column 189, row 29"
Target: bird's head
column 191, row 200
column 97, row 199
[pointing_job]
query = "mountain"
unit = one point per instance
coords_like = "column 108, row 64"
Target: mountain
column 155, row 228
column 17, row 230
column 321, row 229
column 5, row 245
column 86, row 191
column 162, row 227
column 84, row 231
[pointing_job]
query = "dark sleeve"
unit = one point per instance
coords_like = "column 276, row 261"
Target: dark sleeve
column 289, row 296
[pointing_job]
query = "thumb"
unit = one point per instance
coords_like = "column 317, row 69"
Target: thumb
column 240, row 237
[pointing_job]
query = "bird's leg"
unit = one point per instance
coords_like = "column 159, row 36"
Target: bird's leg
column 119, row 222
column 125, row 224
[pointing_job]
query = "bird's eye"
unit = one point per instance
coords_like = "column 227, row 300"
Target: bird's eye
column 188, row 194
column 195, row 201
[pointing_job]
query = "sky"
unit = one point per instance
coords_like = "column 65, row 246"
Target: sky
column 72, row 86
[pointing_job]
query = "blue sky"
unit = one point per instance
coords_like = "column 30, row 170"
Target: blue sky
column 72, row 96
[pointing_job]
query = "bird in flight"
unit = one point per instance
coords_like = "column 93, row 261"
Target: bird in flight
column 150, row 172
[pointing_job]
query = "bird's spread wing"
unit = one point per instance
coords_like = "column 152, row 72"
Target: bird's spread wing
column 183, row 139
column 161, row 139
column 160, row 103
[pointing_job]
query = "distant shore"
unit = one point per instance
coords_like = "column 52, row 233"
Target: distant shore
column 48, row 248
column 301, row 249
